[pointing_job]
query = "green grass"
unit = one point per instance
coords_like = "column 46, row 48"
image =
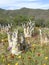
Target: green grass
column 34, row 56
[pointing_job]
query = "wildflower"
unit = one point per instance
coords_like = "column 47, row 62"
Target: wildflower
column 29, row 57
column 38, row 54
column 8, row 64
column 46, row 58
column 33, row 45
column 19, row 57
column 44, row 64
column 2, row 40
column 9, row 48
column 12, row 55
column 16, row 64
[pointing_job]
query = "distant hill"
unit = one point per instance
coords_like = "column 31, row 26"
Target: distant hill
column 38, row 13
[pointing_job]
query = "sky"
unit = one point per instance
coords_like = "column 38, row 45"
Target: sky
column 17, row 4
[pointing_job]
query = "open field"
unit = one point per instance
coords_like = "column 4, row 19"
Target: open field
column 34, row 55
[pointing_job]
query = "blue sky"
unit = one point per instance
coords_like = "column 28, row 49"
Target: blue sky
column 17, row 4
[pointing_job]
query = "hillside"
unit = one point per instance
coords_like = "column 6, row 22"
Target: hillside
column 38, row 13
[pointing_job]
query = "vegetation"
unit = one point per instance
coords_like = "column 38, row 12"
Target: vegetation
column 41, row 17
column 35, row 54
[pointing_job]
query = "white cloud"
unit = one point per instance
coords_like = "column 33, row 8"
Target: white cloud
column 16, row 4
column 45, row 6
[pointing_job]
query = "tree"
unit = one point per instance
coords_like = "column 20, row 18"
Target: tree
column 40, row 23
column 47, row 24
column 20, row 19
